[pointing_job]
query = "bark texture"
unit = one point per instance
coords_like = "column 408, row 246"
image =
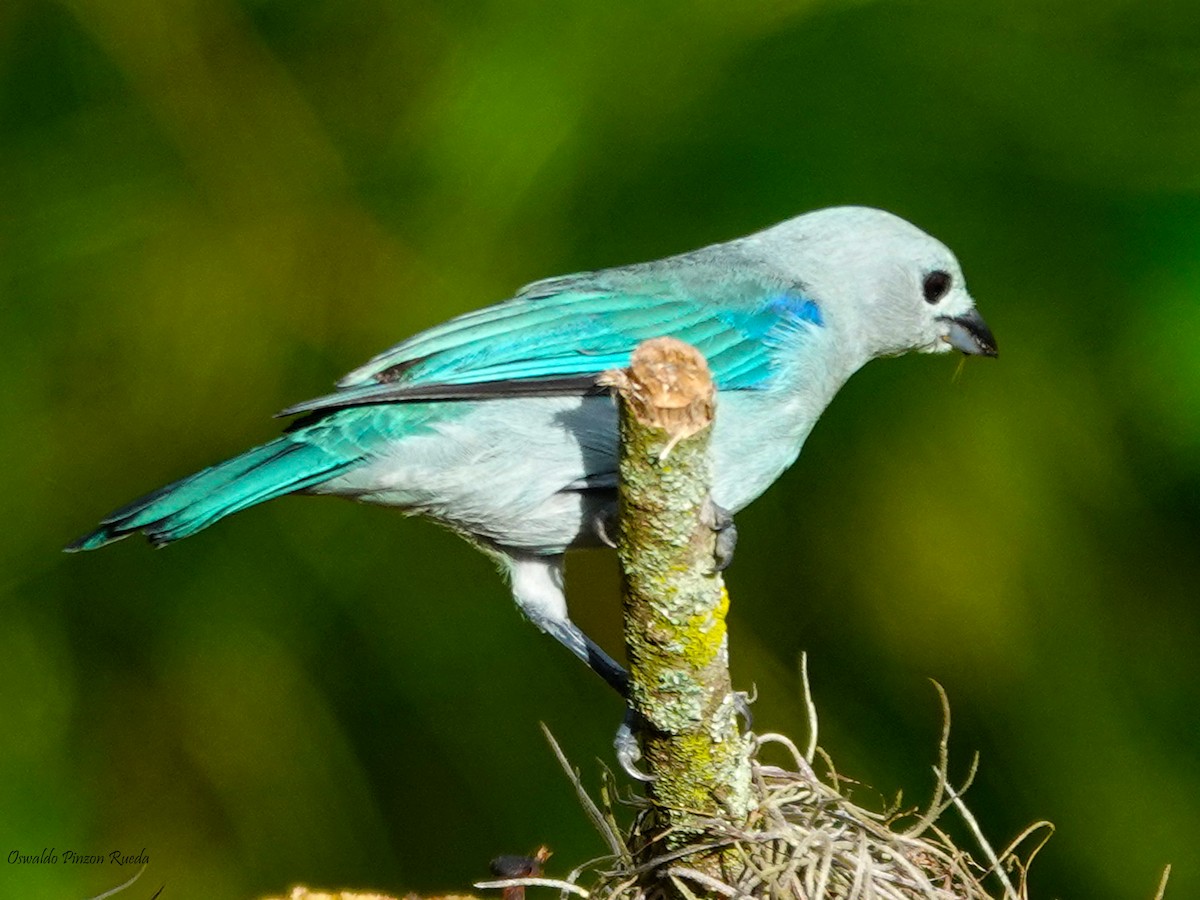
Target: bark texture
column 674, row 599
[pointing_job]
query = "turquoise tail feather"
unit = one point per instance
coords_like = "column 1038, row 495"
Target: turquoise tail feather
column 193, row 503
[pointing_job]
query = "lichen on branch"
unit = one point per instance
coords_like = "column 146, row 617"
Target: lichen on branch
column 674, row 598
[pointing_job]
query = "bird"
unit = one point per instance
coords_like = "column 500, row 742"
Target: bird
column 495, row 423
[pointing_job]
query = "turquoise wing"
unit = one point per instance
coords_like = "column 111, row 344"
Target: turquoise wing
column 558, row 343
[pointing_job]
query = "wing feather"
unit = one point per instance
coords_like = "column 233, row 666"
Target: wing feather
column 555, row 344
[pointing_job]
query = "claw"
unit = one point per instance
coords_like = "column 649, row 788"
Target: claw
column 720, row 520
column 741, row 706
column 605, row 526
column 726, row 543
column 628, row 751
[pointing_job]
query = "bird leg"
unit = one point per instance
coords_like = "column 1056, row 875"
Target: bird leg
column 570, row 636
column 720, row 520
column 537, row 583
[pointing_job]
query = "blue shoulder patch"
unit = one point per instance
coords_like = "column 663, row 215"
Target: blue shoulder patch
column 776, row 315
column 798, row 306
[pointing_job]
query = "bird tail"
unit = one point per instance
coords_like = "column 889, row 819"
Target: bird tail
column 181, row 509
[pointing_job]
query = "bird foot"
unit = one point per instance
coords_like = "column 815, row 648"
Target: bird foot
column 741, row 707
column 629, row 752
column 720, row 520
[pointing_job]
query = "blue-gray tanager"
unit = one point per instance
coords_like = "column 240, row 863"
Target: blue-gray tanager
column 493, row 423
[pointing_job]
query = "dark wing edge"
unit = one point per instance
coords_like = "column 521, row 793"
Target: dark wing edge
column 553, row 386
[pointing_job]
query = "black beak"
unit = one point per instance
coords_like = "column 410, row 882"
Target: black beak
column 970, row 334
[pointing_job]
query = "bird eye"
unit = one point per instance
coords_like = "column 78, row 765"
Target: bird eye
column 935, row 286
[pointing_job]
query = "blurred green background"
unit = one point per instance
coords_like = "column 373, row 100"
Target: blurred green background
column 210, row 210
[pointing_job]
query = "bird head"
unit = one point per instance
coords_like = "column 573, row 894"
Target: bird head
column 887, row 286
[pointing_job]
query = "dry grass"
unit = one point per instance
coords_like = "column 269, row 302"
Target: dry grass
column 806, row 839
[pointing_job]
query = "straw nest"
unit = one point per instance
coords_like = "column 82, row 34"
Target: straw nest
column 806, row 840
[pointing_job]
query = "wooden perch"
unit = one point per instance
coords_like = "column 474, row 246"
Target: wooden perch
column 674, row 599
column 713, row 830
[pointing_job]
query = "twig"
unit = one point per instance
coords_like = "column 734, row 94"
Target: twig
column 602, row 825
column 1162, row 884
column 977, row 832
column 810, row 709
column 565, row 886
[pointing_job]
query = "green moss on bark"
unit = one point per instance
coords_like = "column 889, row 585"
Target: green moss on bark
column 675, row 602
